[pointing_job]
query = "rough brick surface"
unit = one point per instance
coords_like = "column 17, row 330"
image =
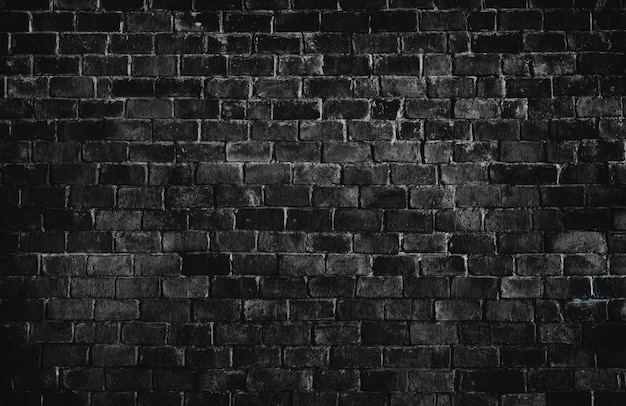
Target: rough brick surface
column 312, row 202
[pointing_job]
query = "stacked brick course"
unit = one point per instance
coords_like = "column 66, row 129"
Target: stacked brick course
column 312, row 202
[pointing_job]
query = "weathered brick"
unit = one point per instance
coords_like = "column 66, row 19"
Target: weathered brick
column 403, row 201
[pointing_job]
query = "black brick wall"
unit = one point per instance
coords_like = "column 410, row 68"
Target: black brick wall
column 312, row 202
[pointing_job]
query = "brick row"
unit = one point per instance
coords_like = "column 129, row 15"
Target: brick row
column 349, row 19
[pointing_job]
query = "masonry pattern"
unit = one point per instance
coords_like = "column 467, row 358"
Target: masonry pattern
column 312, row 202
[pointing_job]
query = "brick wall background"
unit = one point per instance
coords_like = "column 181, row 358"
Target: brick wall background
column 313, row 202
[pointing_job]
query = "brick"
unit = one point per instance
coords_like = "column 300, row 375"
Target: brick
column 246, row 22
column 347, row 265
column 300, row 21
column 424, row 42
column 443, row 20
column 499, row 381
column 475, row 357
column 405, row 202
column 39, row 43
column 435, row 356
column 149, row 21
column 196, row 22
column 224, row 287
column 291, row 65
column 505, row 43
column 520, row 19
column 267, row 173
column 343, row 333
column 374, row 197
column 449, row 310
column 248, row 151
column 499, row 265
column 433, row 333
column 475, row 108
column 430, row 381
column 478, row 64
column 510, row 310
column 205, row 264
column 207, row 311
column 379, row 43
column 355, row 310
column 401, row 265
column 258, row 65
column 301, row 265
column 343, row 379
column 462, row 220
column 66, row 355
column 402, row 86
column 344, row 22
column 288, row 334
column 577, row 241
column 343, row 109
column 277, row 241
column 379, row 287
column 263, row 310
column 387, row 333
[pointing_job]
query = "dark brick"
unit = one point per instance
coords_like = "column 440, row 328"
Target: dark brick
column 265, row 219
column 206, row 264
column 548, row 41
column 29, row 43
column 400, row 265
column 403, row 201
column 501, row 381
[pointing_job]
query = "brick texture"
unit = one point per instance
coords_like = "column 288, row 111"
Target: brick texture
column 312, row 202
